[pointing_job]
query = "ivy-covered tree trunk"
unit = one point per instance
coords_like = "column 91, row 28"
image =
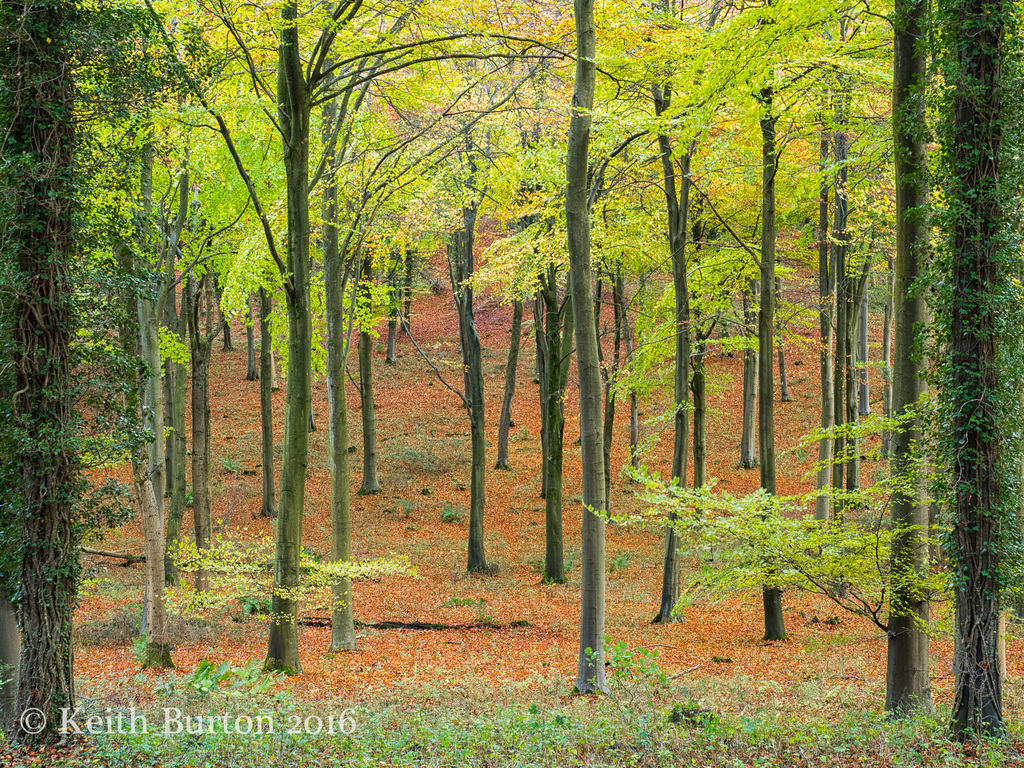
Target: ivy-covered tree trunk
column 774, row 621
column 38, row 150
column 907, row 681
column 179, row 489
column 505, row 420
column 826, row 299
column 975, row 390
column 269, row 506
column 294, row 112
column 590, row 674
column 371, row 482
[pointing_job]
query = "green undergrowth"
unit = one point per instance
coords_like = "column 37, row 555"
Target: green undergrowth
column 646, row 719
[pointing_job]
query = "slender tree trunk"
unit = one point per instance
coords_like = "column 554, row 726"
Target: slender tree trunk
column 774, row 621
column 783, row 377
column 863, row 386
column 410, row 260
column 371, row 483
column 275, row 381
column 887, row 395
column 907, row 682
column 461, row 257
column 283, row 643
column 343, row 631
column 748, row 436
column 612, row 371
column 10, row 654
column 976, row 388
column 201, row 342
column 590, row 665
column 826, row 293
column 634, row 406
column 252, row 368
column 677, row 229
column 510, row 384
column 269, row 507
column 178, row 479
column 542, row 362
column 839, row 253
column 558, row 343
column 700, row 410
column 226, row 325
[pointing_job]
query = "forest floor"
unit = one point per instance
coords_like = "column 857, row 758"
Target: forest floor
column 517, row 644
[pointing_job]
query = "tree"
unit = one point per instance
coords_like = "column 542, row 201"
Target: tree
column 511, row 366
column 590, row 668
column 979, row 385
column 908, row 686
column 38, row 181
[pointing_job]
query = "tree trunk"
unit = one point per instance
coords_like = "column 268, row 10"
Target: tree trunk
column 201, row 340
column 774, row 621
column 283, row 643
column 542, row 361
column 510, row 384
column 590, row 664
column 634, row 408
column 839, row 253
column 158, row 649
column 40, row 238
column 886, row 447
column 10, row 654
column 826, row 294
column 783, row 377
column 371, row 483
column 252, row 369
column 677, row 208
column 389, row 356
column 611, row 371
column 410, row 259
column 907, row 683
column 700, row 410
column 748, row 436
column 976, row 392
column 558, row 321
column 269, row 507
column 179, row 489
column 461, row 256
column 343, row 631
column 863, row 386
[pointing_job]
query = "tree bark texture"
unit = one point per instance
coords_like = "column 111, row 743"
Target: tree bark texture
column 252, row 368
column 748, row 435
column 294, row 112
column 826, row 298
column 558, row 322
column 590, row 674
column 975, row 34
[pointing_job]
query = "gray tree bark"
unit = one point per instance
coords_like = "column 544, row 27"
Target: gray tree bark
column 826, row 298
column 293, row 115
column 252, row 368
column 269, row 506
column 371, row 482
column 590, row 674
column 774, row 621
column 505, row 420
column 907, row 680
column 677, row 205
column 748, row 435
